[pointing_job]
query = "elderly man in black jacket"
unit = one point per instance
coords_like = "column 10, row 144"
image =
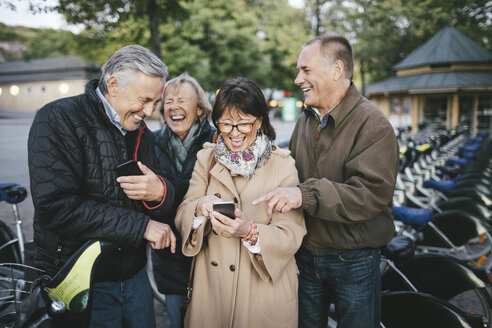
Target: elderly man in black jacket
column 75, row 145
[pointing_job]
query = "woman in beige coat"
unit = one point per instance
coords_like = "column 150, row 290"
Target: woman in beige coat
column 245, row 271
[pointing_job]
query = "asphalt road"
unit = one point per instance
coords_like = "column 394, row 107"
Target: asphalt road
column 14, row 131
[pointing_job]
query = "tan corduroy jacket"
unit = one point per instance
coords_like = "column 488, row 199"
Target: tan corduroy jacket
column 347, row 176
column 233, row 287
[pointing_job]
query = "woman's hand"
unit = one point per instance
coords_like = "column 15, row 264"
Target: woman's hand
column 230, row 228
column 205, row 205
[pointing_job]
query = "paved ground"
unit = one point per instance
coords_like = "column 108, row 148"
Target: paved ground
column 14, row 130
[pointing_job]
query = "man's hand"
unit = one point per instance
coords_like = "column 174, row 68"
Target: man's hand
column 160, row 235
column 148, row 187
column 281, row 200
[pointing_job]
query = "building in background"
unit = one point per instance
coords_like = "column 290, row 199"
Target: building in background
column 446, row 81
column 27, row 85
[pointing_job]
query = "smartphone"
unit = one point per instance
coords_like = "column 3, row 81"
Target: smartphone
column 128, row 168
column 226, row 208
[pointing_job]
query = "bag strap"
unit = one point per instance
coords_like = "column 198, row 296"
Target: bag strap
column 189, row 287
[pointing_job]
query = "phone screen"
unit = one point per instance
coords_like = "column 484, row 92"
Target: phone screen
column 128, row 168
column 226, row 208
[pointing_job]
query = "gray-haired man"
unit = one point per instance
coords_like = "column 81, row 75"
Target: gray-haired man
column 74, row 147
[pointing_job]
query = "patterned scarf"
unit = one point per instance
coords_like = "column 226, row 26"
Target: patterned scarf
column 247, row 161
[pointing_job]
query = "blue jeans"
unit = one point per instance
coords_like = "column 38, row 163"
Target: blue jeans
column 173, row 306
column 126, row 304
column 351, row 279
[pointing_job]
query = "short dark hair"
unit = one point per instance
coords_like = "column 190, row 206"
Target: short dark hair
column 244, row 95
column 336, row 47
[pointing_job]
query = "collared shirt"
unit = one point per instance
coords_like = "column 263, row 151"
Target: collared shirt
column 110, row 112
column 323, row 119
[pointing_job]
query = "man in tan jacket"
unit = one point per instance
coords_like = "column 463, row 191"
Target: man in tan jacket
column 347, row 158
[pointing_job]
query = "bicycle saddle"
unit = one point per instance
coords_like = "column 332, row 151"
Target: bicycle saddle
column 457, row 161
column 399, row 249
column 412, row 216
column 443, row 186
column 12, row 193
column 466, row 204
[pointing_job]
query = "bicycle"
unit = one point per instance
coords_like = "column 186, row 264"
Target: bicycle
column 454, row 232
column 29, row 297
column 463, row 288
column 12, row 246
column 429, row 290
column 68, row 294
column 17, row 275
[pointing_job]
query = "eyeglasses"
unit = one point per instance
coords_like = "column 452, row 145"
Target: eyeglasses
column 241, row 127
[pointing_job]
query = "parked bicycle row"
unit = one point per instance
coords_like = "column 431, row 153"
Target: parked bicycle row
column 438, row 264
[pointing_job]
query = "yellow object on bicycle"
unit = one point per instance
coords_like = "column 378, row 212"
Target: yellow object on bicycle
column 73, row 282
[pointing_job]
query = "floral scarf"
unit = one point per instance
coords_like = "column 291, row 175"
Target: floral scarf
column 247, row 161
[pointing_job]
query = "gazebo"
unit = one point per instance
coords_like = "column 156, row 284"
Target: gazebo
column 447, row 81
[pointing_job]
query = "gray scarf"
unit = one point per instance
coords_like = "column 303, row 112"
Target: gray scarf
column 177, row 148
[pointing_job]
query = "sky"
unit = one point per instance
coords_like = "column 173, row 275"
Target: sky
column 22, row 16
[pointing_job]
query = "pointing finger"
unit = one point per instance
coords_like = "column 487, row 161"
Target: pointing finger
column 263, row 198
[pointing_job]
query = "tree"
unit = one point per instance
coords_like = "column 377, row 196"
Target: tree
column 217, row 42
column 282, row 31
column 383, row 32
column 50, row 43
column 106, row 15
column 221, row 39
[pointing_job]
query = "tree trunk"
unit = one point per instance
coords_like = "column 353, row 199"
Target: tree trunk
column 155, row 38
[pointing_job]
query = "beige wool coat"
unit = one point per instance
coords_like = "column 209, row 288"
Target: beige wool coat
column 233, row 287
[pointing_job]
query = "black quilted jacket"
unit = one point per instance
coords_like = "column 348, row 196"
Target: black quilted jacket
column 172, row 270
column 73, row 153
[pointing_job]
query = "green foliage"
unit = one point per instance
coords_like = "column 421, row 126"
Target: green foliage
column 384, row 32
column 97, row 46
column 35, row 43
column 50, row 43
column 214, row 40
column 284, row 35
column 222, row 39
column 11, row 34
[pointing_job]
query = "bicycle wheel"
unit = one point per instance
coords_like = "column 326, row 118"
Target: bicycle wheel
column 14, row 288
column 405, row 309
column 474, row 301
